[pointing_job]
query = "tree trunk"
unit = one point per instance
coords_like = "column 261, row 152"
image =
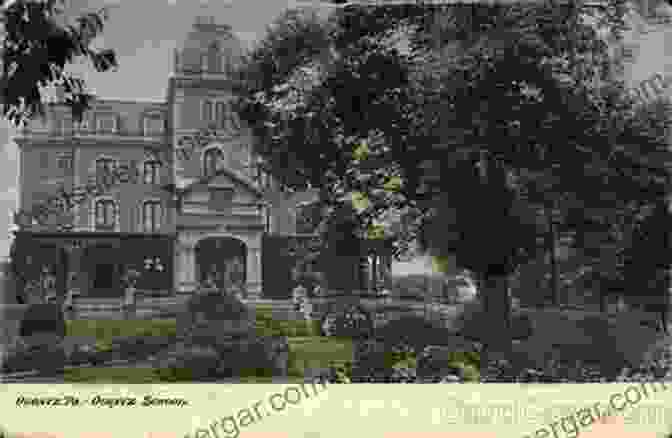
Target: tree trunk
column 497, row 311
column 551, row 242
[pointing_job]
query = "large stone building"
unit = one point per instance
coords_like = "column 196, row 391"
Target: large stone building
column 211, row 233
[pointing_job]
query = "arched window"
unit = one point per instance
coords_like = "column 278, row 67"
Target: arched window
column 207, row 111
column 151, row 216
column 151, row 171
column 222, row 114
column 105, row 211
column 214, row 58
column 104, row 169
column 212, row 159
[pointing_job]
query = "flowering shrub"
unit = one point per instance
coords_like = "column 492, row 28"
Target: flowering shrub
column 376, row 362
column 351, row 322
column 301, row 302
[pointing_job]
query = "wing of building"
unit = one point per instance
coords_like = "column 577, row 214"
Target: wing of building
column 120, row 164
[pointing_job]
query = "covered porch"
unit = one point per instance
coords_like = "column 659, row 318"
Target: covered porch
column 92, row 264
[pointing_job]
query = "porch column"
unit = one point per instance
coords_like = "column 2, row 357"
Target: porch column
column 191, row 268
column 75, row 256
column 253, row 272
column 75, row 278
column 185, row 268
column 179, row 267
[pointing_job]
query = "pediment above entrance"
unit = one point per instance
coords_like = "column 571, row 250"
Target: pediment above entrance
column 225, row 186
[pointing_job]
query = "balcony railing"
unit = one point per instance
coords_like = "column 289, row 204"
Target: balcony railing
column 231, row 74
column 81, row 132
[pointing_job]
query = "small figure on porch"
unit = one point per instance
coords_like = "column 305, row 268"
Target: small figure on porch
column 68, row 305
column 129, row 281
column 48, row 280
column 210, row 282
column 299, row 297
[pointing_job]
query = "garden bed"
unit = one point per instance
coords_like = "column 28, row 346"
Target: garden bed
column 100, row 342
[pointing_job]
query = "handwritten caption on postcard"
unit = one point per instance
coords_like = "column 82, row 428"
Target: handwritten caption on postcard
column 100, row 401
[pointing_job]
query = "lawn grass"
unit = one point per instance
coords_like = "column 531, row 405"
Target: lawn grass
column 111, row 375
column 318, row 353
column 306, row 349
column 105, row 331
column 314, row 352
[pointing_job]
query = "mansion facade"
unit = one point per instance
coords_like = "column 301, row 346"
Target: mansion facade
column 208, row 228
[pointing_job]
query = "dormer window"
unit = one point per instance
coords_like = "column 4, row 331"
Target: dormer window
column 106, row 123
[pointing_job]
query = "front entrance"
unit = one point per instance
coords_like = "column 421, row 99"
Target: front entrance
column 103, row 276
column 103, row 271
column 221, row 263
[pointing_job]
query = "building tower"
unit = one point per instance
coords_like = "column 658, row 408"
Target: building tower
column 220, row 222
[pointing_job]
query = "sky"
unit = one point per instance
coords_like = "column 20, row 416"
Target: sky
column 144, row 34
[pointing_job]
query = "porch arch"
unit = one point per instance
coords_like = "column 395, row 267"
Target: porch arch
column 221, row 261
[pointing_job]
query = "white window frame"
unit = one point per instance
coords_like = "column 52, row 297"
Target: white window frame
column 215, row 116
column 93, row 213
column 204, row 61
column 115, row 163
column 84, row 124
column 146, row 126
column 212, row 112
column 65, row 157
column 61, row 126
column 205, row 152
column 156, row 180
column 99, row 117
column 157, row 223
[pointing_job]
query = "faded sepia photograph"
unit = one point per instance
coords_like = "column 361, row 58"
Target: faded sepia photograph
column 256, row 191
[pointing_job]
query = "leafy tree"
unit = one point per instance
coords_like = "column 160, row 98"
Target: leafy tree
column 647, row 260
column 36, row 49
column 494, row 111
